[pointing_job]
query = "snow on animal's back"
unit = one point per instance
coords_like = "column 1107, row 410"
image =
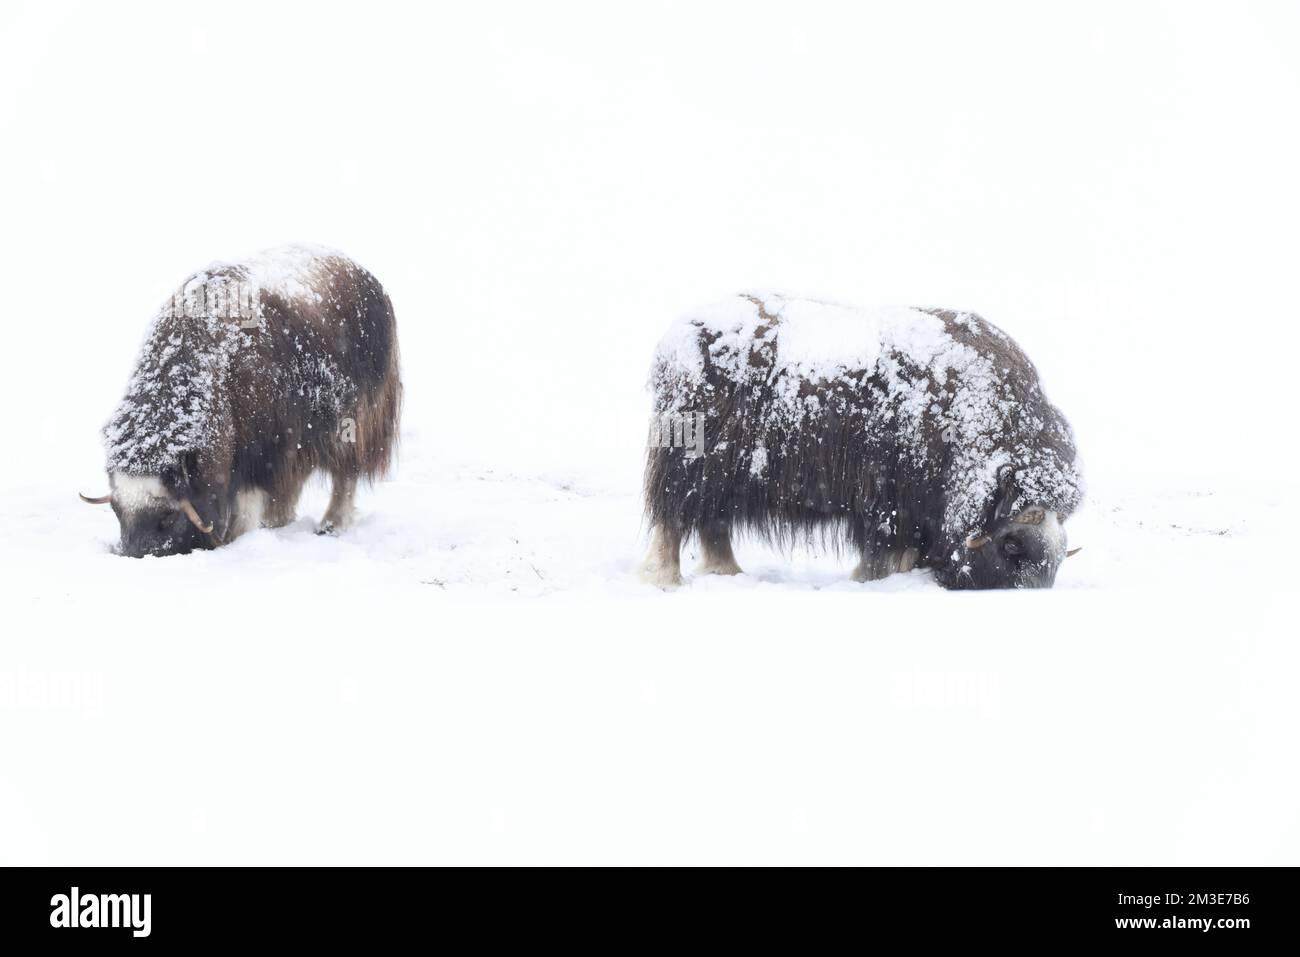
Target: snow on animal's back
column 814, row 339
column 295, row 271
column 298, row 272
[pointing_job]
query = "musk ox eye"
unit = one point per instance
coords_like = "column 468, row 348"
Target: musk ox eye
column 1012, row 545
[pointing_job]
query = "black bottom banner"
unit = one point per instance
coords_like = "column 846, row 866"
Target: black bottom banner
column 96, row 908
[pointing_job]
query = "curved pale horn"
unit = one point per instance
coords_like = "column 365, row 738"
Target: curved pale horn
column 1074, row 551
column 102, row 500
column 193, row 516
column 978, row 542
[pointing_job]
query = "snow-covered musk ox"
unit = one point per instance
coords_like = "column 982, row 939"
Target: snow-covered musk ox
column 922, row 436
column 252, row 376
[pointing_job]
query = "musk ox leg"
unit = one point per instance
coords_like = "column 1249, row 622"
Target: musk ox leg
column 339, row 514
column 715, row 543
column 282, row 506
column 881, row 564
column 248, row 513
column 869, row 569
column 663, row 565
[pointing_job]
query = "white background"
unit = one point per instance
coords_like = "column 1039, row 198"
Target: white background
column 473, row 674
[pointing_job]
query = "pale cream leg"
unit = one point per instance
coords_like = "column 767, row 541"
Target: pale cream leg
column 662, row 566
column 340, row 512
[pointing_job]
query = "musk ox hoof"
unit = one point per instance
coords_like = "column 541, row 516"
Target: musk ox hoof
column 335, row 521
column 882, row 566
column 661, row 577
column 861, row 573
column 719, row 567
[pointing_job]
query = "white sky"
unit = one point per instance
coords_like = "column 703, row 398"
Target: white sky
column 543, row 187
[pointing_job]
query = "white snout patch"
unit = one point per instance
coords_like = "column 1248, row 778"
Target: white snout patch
column 1053, row 535
column 132, row 492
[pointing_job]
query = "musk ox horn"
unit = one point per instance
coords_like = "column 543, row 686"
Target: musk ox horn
column 102, row 500
column 978, row 542
column 193, row 516
column 1074, row 551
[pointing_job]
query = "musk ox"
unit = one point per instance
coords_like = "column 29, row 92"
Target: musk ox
column 920, row 436
column 252, row 376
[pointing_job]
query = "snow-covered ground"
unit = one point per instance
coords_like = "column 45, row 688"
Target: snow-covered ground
column 473, row 672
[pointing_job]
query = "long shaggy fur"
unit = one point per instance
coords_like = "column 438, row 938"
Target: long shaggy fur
column 884, row 458
column 225, row 401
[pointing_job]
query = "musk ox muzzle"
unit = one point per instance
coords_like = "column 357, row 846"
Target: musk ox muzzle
column 1024, row 551
column 162, row 532
column 155, row 518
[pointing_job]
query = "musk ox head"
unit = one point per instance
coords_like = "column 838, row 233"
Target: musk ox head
column 171, row 513
column 1023, row 550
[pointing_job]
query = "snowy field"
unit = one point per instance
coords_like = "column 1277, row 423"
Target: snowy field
column 473, row 673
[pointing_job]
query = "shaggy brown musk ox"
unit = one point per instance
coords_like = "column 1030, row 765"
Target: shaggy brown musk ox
column 252, row 376
column 922, row 437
